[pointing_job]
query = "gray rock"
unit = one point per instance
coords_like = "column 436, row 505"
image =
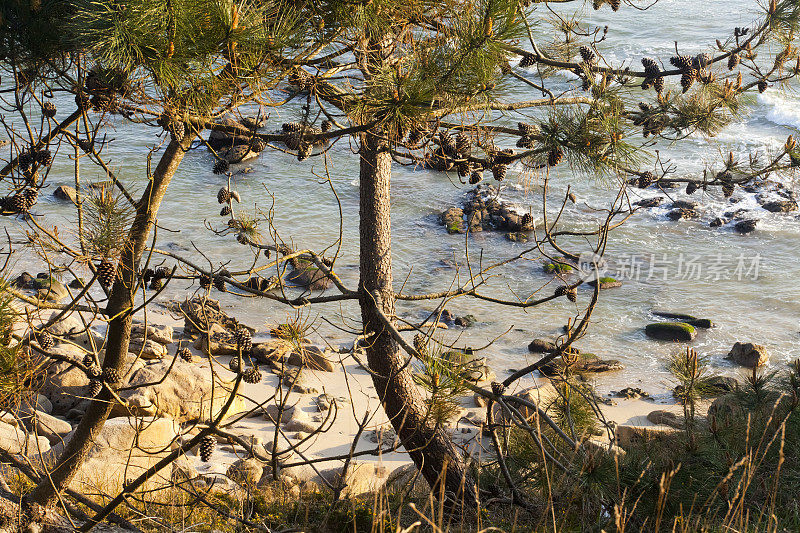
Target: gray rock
column 246, row 472
column 665, row 418
column 780, row 206
column 746, row 226
column 541, row 346
column 272, row 412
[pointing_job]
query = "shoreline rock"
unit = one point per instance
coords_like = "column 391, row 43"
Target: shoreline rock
column 670, row 331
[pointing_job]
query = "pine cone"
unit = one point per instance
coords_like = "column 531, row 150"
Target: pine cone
column 49, row 109
column 206, row 447
column 259, row 145
column 651, row 68
column 156, row 284
column 18, row 204
column 554, row 157
column 106, row 272
column 658, row 84
column 447, row 144
column 646, row 179
column 561, row 290
column 733, row 61
column 252, row 375
column 205, row 281
column 44, row 157
column 244, row 339
column 326, row 126
column 728, row 189
column 475, row 177
column 221, row 166
column 615, row 4
column 234, row 364
column 691, row 187
column 463, row 144
column 93, row 388
column 762, row 86
column 110, row 375
column 528, row 60
column 683, row 63
column 527, row 220
column 304, row 152
column 586, row 54
column 499, row 171
column 463, row 168
column 572, row 295
column 223, row 196
column 185, row 354
column 86, row 145
column 177, row 130
column 420, row 345
column 291, row 127
column 219, row 283
column 687, row 80
column 88, row 360
column 45, row 340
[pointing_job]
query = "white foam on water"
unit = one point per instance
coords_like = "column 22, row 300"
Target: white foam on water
column 782, row 108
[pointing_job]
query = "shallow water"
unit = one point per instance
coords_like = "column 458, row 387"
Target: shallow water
column 762, row 308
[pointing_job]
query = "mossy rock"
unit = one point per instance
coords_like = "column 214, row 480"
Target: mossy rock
column 557, row 268
column 606, row 282
column 704, row 323
column 671, row 331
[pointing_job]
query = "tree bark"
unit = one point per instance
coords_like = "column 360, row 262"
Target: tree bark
column 430, row 448
column 119, row 307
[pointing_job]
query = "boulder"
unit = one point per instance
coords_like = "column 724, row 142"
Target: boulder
column 466, row 321
column 606, row 282
column 665, row 418
column 628, row 436
column 683, row 213
column 186, row 393
column 124, row 449
column 200, row 313
column 584, row 363
column 218, row 341
column 16, row 441
column 748, row 354
column 246, row 472
column 631, row 393
column 686, row 319
column 453, row 220
column 312, row 357
column 160, row 333
column 53, row 291
column 71, row 328
column 272, row 352
column 541, row 346
column 746, row 226
column 237, row 154
column 300, row 423
column 148, row 349
column 780, row 206
column 67, row 193
column 308, row 276
column 274, row 414
column 671, row 331
column 52, row 428
column 220, row 139
column 361, row 478
column 649, row 202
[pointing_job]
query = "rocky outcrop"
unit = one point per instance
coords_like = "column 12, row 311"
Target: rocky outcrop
column 748, row 354
column 482, row 211
column 186, row 392
column 746, row 226
column 629, row 436
column 686, row 319
column 311, row 357
column 66, row 193
column 307, row 275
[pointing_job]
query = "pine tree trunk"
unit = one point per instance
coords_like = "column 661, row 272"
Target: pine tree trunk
column 120, row 303
column 430, row 448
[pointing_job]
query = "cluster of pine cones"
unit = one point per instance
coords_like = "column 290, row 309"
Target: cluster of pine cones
column 155, row 277
column 615, row 4
column 692, row 69
column 294, row 134
column 20, row 202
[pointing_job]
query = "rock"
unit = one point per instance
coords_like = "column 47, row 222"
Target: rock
column 606, row 282
column 218, row 341
column 480, row 400
column 14, row 440
column 246, row 472
column 517, row 236
column 453, row 220
column 466, row 321
column 161, row 334
column 309, row 276
column 665, row 418
column 540, row 396
column 685, row 204
column 237, row 154
column 748, row 354
column 185, row 393
column 310, row 357
column 150, row 349
column 183, row 470
column 780, row 206
column 201, row 313
column 601, row 447
column 583, row 363
column 24, row 281
column 746, row 226
column 671, row 331
column 683, row 213
column 52, row 290
column 273, row 351
column 361, row 478
column 65, row 192
column 124, row 448
column 687, row 319
column 71, row 328
column 272, row 412
column 77, row 283
column 541, row 346
column 716, row 385
column 628, row 436
column 386, row 437
column 558, row 266
column 649, row 202
column 632, row 393
column 220, row 139
column 717, row 222
column 41, row 423
column 300, row 424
